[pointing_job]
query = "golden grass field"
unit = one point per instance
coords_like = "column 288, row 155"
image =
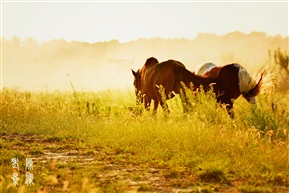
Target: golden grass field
column 94, row 142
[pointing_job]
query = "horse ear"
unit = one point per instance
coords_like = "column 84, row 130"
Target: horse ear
column 133, row 72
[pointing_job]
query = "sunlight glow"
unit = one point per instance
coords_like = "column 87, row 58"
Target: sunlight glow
column 100, row 21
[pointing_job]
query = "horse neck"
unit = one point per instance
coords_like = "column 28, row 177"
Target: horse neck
column 188, row 77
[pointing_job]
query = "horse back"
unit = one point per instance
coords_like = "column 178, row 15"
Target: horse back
column 227, row 73
column 166, row 77
column 214, row 72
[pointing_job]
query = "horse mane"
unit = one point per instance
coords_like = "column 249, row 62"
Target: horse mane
column 204, row 67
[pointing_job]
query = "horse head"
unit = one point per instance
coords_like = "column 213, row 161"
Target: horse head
column 137, row 86
column 250, row 96
column 140, row 75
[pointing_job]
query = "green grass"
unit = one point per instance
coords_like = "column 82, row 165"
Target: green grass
column 106, row 147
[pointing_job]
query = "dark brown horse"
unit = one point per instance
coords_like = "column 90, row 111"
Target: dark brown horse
column 168, row 76
column 247, row 86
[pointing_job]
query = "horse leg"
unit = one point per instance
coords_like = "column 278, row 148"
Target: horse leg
column 162, row 101
column 156, row 104
column 228, row 104
column 165, row 107
column 161, row 98
column 185, row 102
column 230, row 110
column 147, row 103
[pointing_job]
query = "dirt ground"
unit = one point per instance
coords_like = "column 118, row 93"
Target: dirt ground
column 73, row 164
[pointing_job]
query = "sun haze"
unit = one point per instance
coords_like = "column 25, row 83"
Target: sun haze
column 97, row 43
column 125, row 21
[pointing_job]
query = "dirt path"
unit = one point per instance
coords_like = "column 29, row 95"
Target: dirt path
column 73, row 165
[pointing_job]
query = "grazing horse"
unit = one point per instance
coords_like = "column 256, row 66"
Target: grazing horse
column 247, row 86
column 171, row 76
column 168, row 75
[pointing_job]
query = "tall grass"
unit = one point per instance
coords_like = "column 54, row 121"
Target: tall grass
column 279, row 62
column 248, row 151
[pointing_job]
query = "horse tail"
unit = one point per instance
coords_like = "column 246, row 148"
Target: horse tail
column 255, row 90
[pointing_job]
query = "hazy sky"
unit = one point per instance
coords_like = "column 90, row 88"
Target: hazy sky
column 125, row 21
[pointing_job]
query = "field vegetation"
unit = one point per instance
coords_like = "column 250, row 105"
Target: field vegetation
column 97, row 142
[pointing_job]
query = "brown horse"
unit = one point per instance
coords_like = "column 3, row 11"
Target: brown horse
column 167, row 75
column 247, row 86
column 170, row 75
